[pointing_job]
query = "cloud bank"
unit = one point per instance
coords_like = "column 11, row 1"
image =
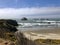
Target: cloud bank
column 16, row 12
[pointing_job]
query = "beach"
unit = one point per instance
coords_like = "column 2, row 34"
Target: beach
column 42, row 34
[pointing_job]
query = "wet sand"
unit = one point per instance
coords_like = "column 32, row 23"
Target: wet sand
column 49, row 30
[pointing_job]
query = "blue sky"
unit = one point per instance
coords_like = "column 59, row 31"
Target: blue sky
column 28, row 3
column 29, row 8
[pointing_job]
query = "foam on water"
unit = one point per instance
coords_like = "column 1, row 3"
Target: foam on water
column 38, row 25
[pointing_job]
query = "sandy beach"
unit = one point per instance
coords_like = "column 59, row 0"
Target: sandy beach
column 43, row 34
column 34, row 36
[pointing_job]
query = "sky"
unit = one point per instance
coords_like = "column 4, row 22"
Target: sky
column 30, row 8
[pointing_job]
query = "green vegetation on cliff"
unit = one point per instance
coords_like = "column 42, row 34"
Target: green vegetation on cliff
column 8, row 28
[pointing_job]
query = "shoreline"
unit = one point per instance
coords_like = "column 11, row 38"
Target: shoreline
column 43, row 34
column 40, row 30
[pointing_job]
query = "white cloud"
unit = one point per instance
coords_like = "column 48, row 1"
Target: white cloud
column 13, row 12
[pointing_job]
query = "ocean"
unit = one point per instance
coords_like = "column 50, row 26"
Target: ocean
column 46, row 24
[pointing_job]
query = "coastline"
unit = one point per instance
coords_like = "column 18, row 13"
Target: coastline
column 41, row 30
column 53, row 33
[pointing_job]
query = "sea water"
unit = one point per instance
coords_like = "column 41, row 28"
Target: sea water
column 38, row 25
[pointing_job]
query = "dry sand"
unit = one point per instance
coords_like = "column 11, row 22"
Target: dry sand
column 43, row 34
